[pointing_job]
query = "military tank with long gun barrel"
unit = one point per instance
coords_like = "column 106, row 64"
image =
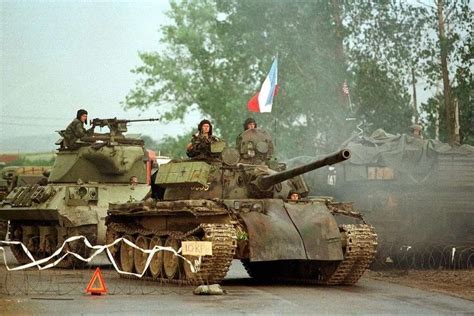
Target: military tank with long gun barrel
column 80, row 186
column 237, row 200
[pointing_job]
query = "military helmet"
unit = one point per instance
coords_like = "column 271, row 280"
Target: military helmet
column 205, row 122
column 416, row 127
column 248, row 121
column 80, row 113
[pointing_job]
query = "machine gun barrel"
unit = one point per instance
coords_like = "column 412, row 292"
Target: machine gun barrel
column 266, row 182
column 111, row 121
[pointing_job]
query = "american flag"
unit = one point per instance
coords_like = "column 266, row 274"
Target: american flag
column 345, row 88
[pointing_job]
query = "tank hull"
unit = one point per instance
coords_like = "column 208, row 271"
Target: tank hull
column 274, row 239
column 42, row 217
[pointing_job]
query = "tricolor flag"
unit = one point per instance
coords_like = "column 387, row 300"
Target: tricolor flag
column 345, row 88
column 263, row 100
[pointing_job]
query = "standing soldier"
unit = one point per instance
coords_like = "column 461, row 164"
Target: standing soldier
column 76, row 130
column 200, row 144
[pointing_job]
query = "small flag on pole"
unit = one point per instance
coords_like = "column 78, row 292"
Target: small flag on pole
column 263, row 100
column 345, row 88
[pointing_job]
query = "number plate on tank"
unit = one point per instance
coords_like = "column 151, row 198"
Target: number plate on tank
column 196, row 248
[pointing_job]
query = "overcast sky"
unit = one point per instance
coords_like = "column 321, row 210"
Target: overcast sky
column 59, row 56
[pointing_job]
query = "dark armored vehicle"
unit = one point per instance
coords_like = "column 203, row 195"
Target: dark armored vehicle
column 75, row 199
column 418, row 193
column 237, row 200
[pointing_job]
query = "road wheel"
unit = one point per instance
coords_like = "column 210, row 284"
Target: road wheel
column 156, row 264
column 140, row 257
column 126, row 255
column 170, row 260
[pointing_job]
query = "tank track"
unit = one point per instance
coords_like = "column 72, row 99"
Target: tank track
column 212, row 269
column 359, row 252
column 69, row 261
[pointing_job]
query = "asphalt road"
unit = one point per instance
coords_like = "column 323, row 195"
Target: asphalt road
column 244, row 296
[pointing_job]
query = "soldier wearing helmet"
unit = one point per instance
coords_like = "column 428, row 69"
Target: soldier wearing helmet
column 76, row 130
column 293, row 195
column 200, row 145
column 416, row 131
column 249, row 124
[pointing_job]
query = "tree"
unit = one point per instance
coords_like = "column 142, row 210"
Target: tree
column 218, row 53
column 388, row 105
column 174, row 147
column 443, row 54
column 383, row 47
column 149, row 142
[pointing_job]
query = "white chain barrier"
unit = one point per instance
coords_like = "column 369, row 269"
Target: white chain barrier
column 97, row 250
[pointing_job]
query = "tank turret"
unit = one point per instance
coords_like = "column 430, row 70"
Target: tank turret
column 248, row 172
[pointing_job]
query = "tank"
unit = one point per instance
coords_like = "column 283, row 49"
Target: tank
column 416, row 192
column 235, row 203
column 14, row 176
column 75, row 198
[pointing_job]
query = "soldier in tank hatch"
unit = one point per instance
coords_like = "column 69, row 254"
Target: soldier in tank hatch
column 75, row 130
column 293, row 196
column 416, row 131
column 249, row 124
column 200, row 144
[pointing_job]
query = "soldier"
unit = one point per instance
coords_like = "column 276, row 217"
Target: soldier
column 293, row 196
column 200, row 144
column 76, row 130
column 133, row 181
column 249, row 124
column 416, row 131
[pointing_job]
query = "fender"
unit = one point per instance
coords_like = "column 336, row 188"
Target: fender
column 293, row 231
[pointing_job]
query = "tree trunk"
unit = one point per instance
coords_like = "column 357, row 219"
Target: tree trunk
column 415, row 109
column 450, row 117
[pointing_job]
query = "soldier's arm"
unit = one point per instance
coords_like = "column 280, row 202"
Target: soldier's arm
column 190, row 148
column 90, row 131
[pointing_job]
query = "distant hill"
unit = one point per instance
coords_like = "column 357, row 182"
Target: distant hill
column 37, row 143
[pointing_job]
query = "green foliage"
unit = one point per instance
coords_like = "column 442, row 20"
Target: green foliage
column 150, row 143
column 24, row 161
column 218, row 53
column 388, row 105
column 459, row 51
column 174, row 147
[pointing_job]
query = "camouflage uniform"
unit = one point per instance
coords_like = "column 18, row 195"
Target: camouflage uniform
column 238, row 140
column 75, row 130
column 201, row 145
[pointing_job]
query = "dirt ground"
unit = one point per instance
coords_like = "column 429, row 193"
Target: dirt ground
column 459, row 283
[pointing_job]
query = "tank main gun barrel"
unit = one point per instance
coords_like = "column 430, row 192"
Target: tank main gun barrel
column 266, row 182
